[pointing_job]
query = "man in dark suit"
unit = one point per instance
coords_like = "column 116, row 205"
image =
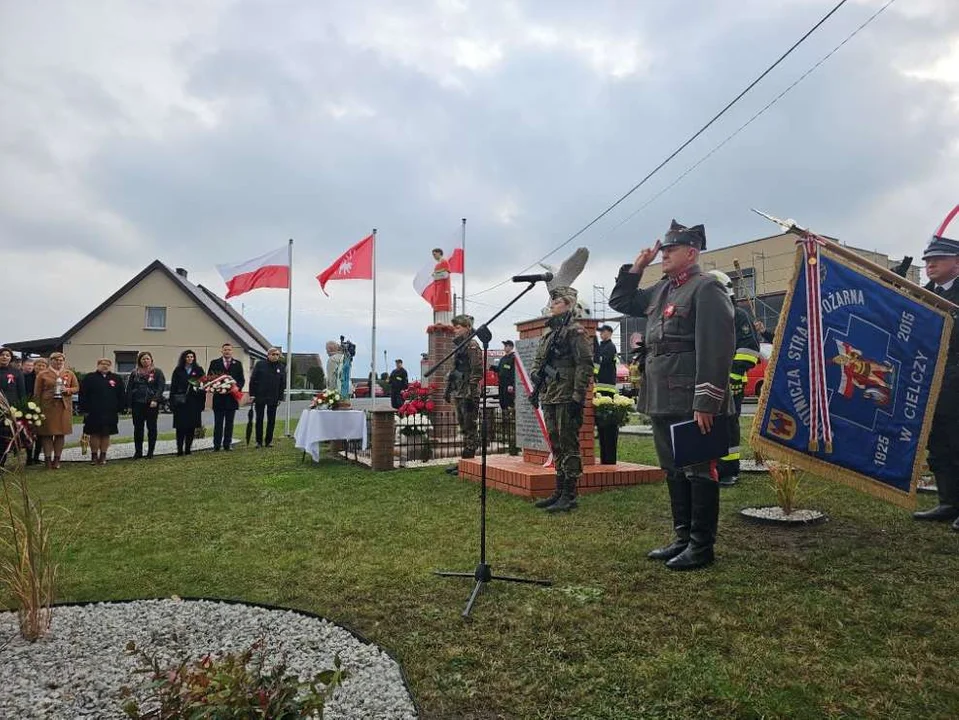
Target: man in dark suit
column 399, row 380
column 942, row 267
column 225, row 405
column 267, row 385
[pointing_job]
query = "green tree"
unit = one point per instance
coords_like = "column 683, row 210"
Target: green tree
column 316, row 377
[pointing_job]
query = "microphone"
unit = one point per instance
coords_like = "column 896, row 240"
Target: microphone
column 542, row 277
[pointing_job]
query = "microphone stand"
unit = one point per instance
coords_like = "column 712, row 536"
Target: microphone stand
column 483, row 573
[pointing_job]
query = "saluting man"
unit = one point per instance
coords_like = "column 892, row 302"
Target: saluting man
column 942, row 268
column 689, row 351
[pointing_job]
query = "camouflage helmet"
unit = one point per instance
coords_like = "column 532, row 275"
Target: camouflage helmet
column 568, row 294
column 463, row 320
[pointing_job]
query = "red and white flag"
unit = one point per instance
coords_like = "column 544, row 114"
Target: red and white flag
column 355, row 264
column 430, row 288
column 267, row 271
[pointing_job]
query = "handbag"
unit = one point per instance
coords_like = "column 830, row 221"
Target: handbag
column 178, row 398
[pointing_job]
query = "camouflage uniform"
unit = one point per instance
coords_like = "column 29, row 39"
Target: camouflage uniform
column 689, row 351
column 463, row 387
column 745, row 359
column 562, row 399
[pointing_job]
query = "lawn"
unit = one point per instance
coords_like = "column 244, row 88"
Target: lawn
column 854, row 618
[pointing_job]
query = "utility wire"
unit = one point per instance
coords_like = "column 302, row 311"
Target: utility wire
column 679, row 149
column 746, row 124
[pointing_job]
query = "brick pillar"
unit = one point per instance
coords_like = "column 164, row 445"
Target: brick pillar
column 444, row 426
column 381, row 444
column 537, row 328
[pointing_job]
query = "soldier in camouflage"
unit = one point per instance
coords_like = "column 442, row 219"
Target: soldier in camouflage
column 745, row 359
column 568, row 371
column 463, row 382
column 689, row 351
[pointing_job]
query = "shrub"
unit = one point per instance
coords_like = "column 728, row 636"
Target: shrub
column 228, row 687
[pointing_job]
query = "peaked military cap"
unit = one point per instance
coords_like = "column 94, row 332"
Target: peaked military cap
column 564, row 293
column 677, row 234
column 941, row 247
column 463, row 320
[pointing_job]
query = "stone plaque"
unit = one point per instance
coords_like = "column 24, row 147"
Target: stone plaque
column 528, row 433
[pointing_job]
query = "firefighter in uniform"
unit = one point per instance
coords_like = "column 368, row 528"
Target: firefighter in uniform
column 506, row 390
column 942, row 268
column 463, row 383
column 745, row 359
column 605, row 361
column 689, row 352
column 564, row 357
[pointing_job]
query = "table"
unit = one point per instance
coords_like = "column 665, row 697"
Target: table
column 318, row 426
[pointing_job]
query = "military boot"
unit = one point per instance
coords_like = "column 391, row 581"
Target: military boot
column 547, row 501
column 948, row 508
column 704, row 520
column 567, row 500
column 680, row 501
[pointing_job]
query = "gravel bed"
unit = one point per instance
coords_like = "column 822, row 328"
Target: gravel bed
column 77, row 670
column 775, row 514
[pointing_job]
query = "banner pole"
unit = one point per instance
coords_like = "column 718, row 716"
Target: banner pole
column 373, row 347
column 463, row 276
column 289, row 343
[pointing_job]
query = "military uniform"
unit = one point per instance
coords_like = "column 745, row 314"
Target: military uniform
column 746, row 358
column 563, row 397
column 943, row 444
column 463, row 386
column 689, row 351
column 604, row 366
column 506, row 385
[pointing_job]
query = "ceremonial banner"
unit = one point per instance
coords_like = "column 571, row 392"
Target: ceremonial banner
column 883, row 352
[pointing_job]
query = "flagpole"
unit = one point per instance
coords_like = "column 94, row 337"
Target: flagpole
column 463, row 276
column 289, row 342
column 373, row 349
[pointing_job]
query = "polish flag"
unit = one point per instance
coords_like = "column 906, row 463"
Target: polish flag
column 355, row 264
column 267, row 271
column 426, row 286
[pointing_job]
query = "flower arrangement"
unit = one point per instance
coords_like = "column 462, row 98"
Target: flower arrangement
column 414, row 412
column 439, row 327
column 28, row 415
column 416, row 424
column 325, row 400
column 612, row 409
column 220, row 385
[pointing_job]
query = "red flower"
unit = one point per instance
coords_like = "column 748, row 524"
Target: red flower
column 430, row 406
column 113, row 383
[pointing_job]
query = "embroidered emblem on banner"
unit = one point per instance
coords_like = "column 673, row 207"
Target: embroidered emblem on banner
column 781, row 425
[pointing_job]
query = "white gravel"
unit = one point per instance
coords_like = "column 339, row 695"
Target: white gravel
column 77, row 670
column 776, row 513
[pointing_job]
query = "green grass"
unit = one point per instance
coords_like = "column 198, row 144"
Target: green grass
column 855, row 618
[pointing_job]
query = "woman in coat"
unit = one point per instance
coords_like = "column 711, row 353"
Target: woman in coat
column 54, row 389
column 187, row 400
column 145, row 388
column 102, row 399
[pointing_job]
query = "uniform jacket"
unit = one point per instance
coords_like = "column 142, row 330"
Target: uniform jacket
column 399, row 380
column 142, row 389
column 268, row 382
column 464, row 380
column 690, row 341
column 747, row 349
column 606, row 361
column 102, row 398
column 948, row 404
column 506, row 373
column 572, row 360
column 235, row 371
column 12, row 385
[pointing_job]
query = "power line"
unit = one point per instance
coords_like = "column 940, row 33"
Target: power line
column 679, row 149
column 746, row 124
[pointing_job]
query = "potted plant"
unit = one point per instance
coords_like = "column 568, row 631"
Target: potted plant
column 611, row 413
column 785, row 481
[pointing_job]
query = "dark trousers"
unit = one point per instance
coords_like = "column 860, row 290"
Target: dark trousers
column 729, row 464
column 144, row 415
column 396, row 400
column 223, row 428
column 943, row 449
column 270, row 408
column 184, row 441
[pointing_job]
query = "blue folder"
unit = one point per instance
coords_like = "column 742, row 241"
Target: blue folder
column 691, row 447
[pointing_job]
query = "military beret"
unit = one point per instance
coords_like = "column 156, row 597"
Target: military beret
column 463, row 320
column 940, row 247
column 677, row 234
column 564, row 293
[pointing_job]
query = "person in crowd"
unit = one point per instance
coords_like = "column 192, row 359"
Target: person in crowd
column 54, row 389
column 506, row 391
column 399, row 380
column 463, row 384
column 16, row 363
column 187, row 400
column 942, row 268
column 13, row 389
column 102, row 399
column 565, row 358
column 605, row 362
column 762, row 331
column 746, row 358
column 690, row 341
column 267, row 385
column 28, row 368
column 145, row 388
column 225, row 405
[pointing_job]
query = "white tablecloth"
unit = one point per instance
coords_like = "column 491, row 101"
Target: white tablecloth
column 318, row 426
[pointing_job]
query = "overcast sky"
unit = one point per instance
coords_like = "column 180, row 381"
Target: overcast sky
column 210, row 131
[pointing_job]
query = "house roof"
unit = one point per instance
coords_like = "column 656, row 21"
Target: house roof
column 218, row 310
